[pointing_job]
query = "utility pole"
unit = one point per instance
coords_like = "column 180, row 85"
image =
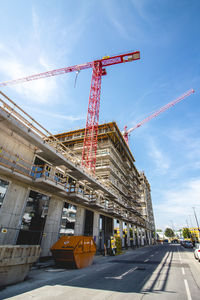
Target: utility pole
column 196, row 221
column 196, row 217
column 190, row 220
column 173, row 227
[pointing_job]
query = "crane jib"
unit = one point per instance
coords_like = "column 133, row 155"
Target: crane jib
column 120, row 59
column 111, row 61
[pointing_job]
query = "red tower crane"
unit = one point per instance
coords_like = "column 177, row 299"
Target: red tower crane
column 98, row 70
column 155, row 114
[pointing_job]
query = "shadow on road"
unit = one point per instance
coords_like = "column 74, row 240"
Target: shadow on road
column 135, row 272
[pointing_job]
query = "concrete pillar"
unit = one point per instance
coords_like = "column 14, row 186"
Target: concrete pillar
column 11, row 212
column 80, row 221
column 150, row 237
column 142, row 236
column 52, row 225
column 96, row 228
column 128, row 235
column 149, row 240
column 146, row 235
column 138, row 236
column 121, row 231
column 134, row 237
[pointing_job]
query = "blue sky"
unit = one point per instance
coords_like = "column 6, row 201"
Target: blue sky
column 37, row 36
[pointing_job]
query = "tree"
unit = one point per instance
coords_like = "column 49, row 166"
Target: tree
column 186, row 233
column 169, row 232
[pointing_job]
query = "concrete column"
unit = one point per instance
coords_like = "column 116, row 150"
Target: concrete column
column 149, row 240
column 128, row 235
column 11, row 212
column 121, row 231
column 96, row 228
column 150, row 237
column 80, row 221
column 52, row 225
column 138, row 236
column 134, row 237
column 146, row 235
column 142, row 236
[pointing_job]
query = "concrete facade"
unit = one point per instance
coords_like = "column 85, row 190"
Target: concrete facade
column 38, row 175
column 147, row 208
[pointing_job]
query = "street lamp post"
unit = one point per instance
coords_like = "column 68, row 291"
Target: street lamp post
column 196, row 221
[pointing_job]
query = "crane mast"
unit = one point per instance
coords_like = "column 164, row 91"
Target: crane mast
column 91, row 128
column 156, row 113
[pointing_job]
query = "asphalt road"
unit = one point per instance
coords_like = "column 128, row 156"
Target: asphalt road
column 155, row 272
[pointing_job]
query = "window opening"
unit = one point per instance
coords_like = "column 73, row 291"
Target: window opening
column 33, row 220
column 3, row 189
column 68, row 219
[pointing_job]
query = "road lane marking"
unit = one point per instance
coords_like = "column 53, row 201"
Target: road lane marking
column 146, row 260
column 187, row 290
column 124, row 274
column 183, row 271
column 156, row 277
column 80, row 276
column 179, row 256
column 152, row 255
column 100, row 269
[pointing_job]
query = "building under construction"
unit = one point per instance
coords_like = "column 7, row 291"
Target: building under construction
column 45, row 193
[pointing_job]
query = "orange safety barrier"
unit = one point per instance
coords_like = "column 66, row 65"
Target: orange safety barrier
column 74, row 251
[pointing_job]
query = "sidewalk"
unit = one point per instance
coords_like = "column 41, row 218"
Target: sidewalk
column 45, row 273
column 97, row 259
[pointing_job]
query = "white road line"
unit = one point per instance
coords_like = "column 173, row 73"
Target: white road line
column 100, row 269
column 152, row 255
column 187, row 290
column 179, row 256
column 124, row 274
column 183, row 271
column 146, row 260
column 80, row 276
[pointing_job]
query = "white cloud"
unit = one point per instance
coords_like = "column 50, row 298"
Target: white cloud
column 119, row 26
column 14, row 64
column 58, row 116
column 161, row 161
column 140, row 7
column 38, row 91
column 40, row 53
column 176, row 204
column 189, row 139
column 115, row 18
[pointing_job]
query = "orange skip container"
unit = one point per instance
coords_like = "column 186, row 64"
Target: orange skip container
column 74, row 251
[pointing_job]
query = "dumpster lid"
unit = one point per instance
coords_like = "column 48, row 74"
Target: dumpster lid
column 71, row 242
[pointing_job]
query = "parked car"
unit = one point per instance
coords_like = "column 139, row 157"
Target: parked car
column 197, row 252
column 183, row 243
column 188, row 244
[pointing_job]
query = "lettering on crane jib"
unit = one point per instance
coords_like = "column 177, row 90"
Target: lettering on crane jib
column 111, row 61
